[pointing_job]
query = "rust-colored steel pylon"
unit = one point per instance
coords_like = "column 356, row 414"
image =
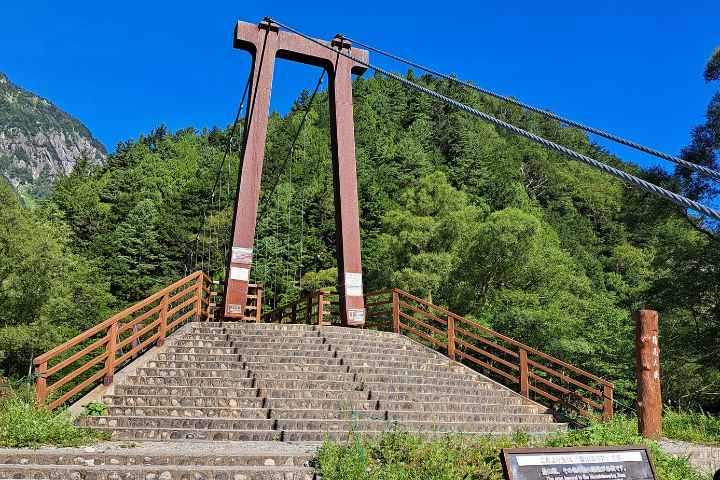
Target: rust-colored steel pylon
column 266, row 43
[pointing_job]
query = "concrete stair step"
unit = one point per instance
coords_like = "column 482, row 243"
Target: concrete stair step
column 421, row 365
column 191, row 381
column 410, row 358
column 139, row 472
column 369, row 342
column 152, row 370
column 132, row 390
column 180, row 401
column 190, row 412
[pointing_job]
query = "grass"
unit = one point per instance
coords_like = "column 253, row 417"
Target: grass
column 26, row 423
column 408, row 456
column 698, row 427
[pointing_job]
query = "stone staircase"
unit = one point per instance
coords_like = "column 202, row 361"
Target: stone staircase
column 265, row 382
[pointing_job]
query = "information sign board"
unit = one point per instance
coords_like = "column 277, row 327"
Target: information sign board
column 578, row 463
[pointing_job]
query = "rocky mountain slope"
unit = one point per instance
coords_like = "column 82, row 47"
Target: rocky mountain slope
column 38, row 141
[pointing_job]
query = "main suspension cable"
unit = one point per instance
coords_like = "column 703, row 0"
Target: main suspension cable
column 647, row 186
column 695, row 167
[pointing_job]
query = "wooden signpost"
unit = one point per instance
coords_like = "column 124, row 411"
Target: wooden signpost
column 625, row 462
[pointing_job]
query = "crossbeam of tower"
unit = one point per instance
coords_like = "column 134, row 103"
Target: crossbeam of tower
column 266, row 43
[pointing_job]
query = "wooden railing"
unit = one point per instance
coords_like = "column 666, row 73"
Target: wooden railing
column 311, row 309
column 253, row 307
column 538, row 375
column 70, row 369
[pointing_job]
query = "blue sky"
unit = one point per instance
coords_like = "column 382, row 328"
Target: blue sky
column 632, row 68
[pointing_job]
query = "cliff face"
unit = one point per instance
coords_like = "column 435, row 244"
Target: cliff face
column 38, row 141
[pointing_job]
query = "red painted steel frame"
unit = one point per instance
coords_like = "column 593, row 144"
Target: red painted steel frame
column 266, row 43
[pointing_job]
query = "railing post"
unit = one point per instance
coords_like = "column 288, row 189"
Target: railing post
column 451, row 337
column 396, row 311
column 308, row 311
column 110, row 350
column 41, row 383
column 162, row 328
column 524, row 381
column 608, row 403
column 258, row 304
column 198, row 298
column 293, row 313
column 321, row 308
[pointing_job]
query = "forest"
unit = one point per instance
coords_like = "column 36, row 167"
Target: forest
column 486, row 224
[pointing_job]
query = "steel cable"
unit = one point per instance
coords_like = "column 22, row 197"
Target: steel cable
column 647, row 186
column 609, row 136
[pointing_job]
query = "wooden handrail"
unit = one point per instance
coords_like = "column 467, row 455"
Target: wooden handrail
column 281, row 310
column 98, row 352
column 420, row 313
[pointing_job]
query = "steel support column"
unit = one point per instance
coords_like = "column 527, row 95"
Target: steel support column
column 265, row 43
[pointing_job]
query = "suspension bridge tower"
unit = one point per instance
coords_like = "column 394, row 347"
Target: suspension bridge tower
column 265, row 42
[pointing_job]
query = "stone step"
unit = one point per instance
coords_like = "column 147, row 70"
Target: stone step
column 141, row 457
column 214, row 337
column 283, row 352
column 192, row 381
column 190, row 412
column 139, row 472
column 199, row 365
column 346, row 395
column 304, row 376
column 484, row 391
column 470, row 418
column 298, row 360
column 228, row 350
column 280, row 346
column 191, row 342
column 309, row 385
column 182, row 434
column 388, row 371
column 383, row 350
column 180, row 401
column 272, row 342
column 439, row 397
column 439, row 381
column 198, row 357
column 238, row 336
column 152, row 370
column 421, row 366
column 442, row 407
column 165, row 423
column 132, row 390
column 365, row 342
column 377, row 358
column 295, row 367
column 321, row 404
